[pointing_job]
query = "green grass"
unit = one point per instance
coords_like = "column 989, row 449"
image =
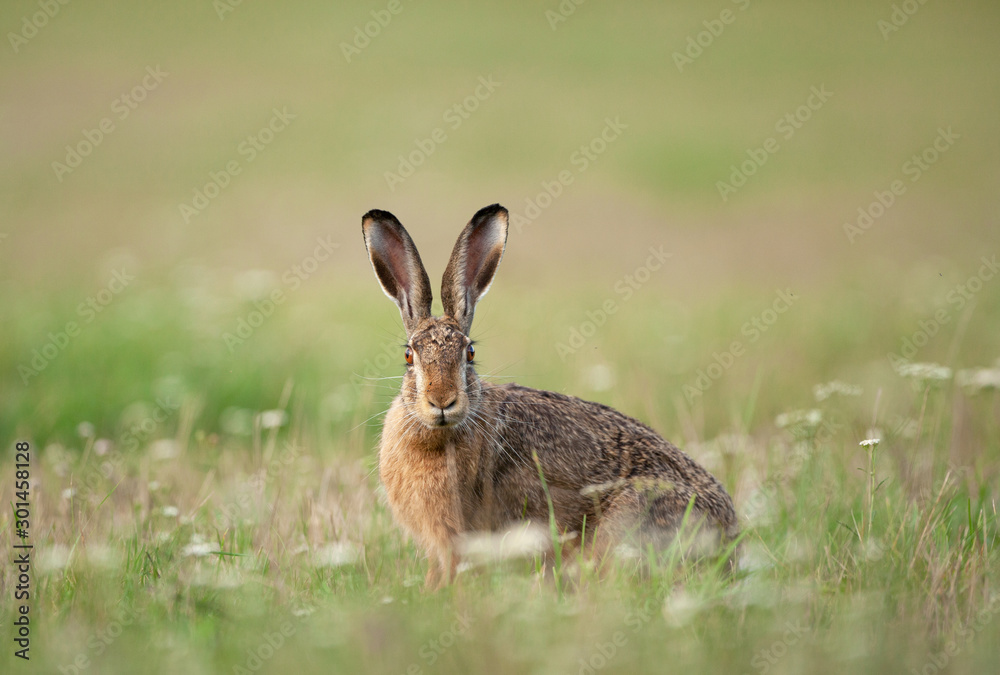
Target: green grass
column 176, row 531
column 867, row 579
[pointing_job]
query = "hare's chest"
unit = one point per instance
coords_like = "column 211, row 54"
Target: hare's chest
column 435, row 493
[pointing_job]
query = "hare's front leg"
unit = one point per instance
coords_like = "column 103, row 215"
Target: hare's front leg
column 441, row 569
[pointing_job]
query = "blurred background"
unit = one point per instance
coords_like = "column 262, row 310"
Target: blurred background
column 210, row 154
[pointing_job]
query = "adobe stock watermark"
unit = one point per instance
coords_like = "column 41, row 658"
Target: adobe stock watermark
column 758, row 500
column 121, row 108
column 453, row 117
column 605, row 652
column 271, row 642
column 938, row 662
column 899, row 17
column 224, row 7
column 363, row 35
column 292, row 279
column 31, row 24
column 432, row 650
column 580, row 160
column 698, row 43
column 231, row 513
column 958, row 297
column 135, row 433
column 913, row 168
column 753, row 329
column 99, row 642
column 564, row 10
column 786, row 126
column 625, row 288
column 767, row 657
column 390, row 353
column 87, row 310
column 249, row 149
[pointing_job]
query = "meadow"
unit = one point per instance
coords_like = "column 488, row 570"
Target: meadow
column 770, row 232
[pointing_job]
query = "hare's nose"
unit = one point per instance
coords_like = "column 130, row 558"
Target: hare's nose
column 447, row 406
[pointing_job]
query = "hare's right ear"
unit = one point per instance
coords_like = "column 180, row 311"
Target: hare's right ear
column 397, row 266
column 473, row 264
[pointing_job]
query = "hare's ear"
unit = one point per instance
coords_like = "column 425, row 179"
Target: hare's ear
column 473, row 264
column 397, row 266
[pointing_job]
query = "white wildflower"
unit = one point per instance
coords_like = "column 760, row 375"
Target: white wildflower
column 796, row 418
column 337, row 554
column 165, row 448
column 520, row 541
column 924, row 371
column 825, row 391
column 272, row 419
column 198, row 547
column 600, row 377
column 102, row 446
column 53, row 558
column 978, row 379
column 680, row 607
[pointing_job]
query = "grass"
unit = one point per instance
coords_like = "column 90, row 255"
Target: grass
column 219, row 530
column 203, row 503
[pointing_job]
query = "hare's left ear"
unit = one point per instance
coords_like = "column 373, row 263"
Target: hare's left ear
column 473, row 264
column 398, row 267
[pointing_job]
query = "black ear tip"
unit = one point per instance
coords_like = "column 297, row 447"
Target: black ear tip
column 379, row 215
column 488, row 212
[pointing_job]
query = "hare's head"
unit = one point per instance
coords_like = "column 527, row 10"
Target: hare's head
column 440, row 386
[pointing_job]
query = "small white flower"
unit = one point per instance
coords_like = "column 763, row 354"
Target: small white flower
column 165, row 448
column 170, row 511
column 805, row 418
column 870, row 442
column 198, row 547
column 272, row 419
column 825, row 391
column 336, row 554
column 924, row 371
column 979, row 379
column 101, row 447
column 54, row 558
column 85, row 430
column 102, row 556
column 680, row 607
column 518, row 541
column 68, row 493
column 600, row 377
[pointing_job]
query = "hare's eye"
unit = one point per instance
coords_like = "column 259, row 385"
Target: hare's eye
column 409, row 356
column 470, row 353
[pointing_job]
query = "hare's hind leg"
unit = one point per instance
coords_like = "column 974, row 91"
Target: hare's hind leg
column 619, row 522
column 637, row 520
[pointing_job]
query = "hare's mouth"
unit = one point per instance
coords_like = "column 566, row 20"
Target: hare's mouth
column 442, row 418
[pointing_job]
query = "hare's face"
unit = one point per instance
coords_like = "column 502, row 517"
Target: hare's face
column 440, row 385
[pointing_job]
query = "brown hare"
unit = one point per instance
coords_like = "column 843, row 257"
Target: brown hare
column 458, row 455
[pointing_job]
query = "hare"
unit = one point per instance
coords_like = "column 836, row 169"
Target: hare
column 460, row 455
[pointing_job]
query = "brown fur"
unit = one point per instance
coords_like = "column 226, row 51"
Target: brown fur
column 457, row 453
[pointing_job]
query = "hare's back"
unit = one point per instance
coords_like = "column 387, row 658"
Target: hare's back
column 582, row 442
